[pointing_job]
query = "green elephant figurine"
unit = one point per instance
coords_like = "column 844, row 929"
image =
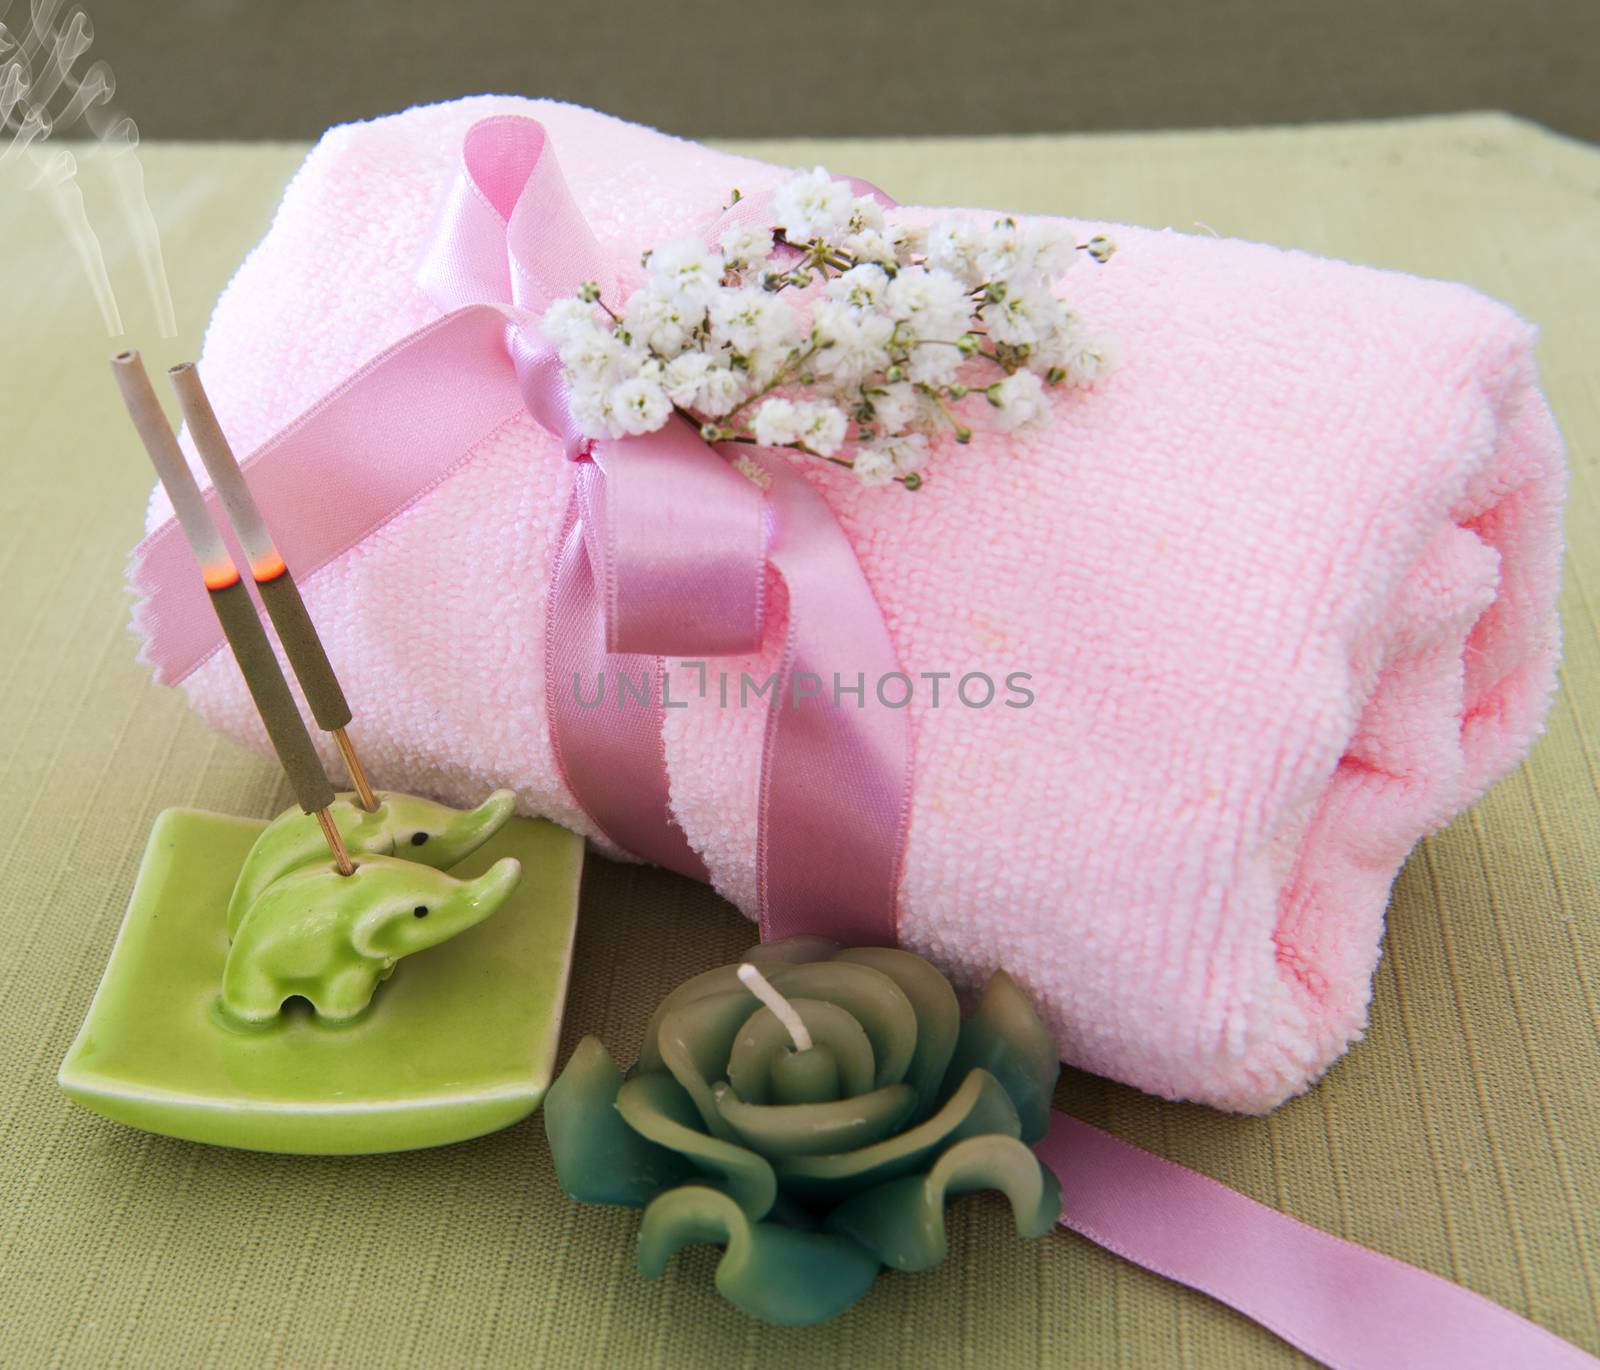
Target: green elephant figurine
column 332, row 938
column 402, row 825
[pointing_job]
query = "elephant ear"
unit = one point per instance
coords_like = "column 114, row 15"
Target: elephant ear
column 902, row 1222
column 782, row 1275
column 598, row 1158
column 1004, row 1036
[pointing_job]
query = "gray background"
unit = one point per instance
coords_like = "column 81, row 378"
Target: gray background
column 289, row 68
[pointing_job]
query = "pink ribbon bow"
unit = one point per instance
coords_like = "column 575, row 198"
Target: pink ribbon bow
column 664, row 553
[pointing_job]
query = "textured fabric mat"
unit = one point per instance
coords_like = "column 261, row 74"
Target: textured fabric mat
column 1459, row 1135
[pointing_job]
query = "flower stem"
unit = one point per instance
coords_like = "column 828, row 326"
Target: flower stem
column 782, row 378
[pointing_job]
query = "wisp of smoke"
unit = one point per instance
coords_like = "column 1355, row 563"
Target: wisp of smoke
column 35, row 73
column 59, row 172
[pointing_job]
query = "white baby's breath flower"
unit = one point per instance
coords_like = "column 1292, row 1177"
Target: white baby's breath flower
column 591, row 409
column 683, row 376
column 684, row 270
column 1023, row 315
column 934, row 364
column 745, row 247
column 1063, row 321
column 721, row 389
column 932, row 304
column 1004, row 252
column 894, row 343
column 1019, row 401
column 776, row 422
column 854, row 343
column 811, row 205
column 1059, row 342
column 890, row 245
column 910, row 240
column 901, row 406
column 593, row 355
column 872, row 464
column 1087, row 359
column 1018, row 253
column 871, row 245
column 907, row 452
column 866, row 214
column 953, row 246
column 752, row 323
column 661, row 323
column 820, row 426
column 860, row 286
column 1054, row 251
column 639, row 405
column 567, row 318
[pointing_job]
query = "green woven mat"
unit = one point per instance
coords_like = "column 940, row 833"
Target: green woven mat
column 1460, row 1135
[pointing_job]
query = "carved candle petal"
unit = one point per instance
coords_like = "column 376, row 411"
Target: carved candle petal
column 938, row 1017
column 722, row 980
column 805, row 947
column 1005, row 1037
column 776, row 1273
column 600, row 1159
column 872, row 998
column 902, row 1222
column 780, row 1130
column 980, row 1106
column 763, row 1045
column 660, row 1110
column 695, row 1042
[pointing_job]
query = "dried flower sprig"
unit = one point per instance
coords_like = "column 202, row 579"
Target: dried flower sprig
column 897, row 333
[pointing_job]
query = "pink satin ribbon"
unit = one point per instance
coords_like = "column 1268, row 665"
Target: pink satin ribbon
column 664, row 553
column 1342, row 1304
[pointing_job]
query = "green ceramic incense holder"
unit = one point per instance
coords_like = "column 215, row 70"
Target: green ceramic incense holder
column 458, row 1041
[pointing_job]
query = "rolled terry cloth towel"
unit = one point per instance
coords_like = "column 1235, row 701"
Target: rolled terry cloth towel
column 1283, row 586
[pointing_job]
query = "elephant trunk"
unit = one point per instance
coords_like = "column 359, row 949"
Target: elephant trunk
column 467, row 906
column 469, row 830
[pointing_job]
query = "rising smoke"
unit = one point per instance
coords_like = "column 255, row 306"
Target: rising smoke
column 40, row 96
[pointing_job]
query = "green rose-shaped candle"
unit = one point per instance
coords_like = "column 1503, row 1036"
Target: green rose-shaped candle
column 811, row 1110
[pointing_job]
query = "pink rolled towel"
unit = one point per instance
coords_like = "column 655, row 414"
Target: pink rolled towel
column 1284, row 583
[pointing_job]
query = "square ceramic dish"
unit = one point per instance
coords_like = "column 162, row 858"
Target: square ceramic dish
column 459, row 1042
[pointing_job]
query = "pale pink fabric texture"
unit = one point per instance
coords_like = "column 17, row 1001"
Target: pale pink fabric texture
column 1285, row 584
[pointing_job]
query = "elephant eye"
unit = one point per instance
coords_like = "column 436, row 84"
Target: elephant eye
column 418, row 838
column 421, row 911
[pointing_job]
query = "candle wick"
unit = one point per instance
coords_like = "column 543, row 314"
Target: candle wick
column 782, row 1009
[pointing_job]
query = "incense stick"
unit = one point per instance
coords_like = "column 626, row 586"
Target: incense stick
column 231, row 601
column 273, row 580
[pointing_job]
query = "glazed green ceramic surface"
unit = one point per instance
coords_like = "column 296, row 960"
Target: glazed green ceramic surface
column 459, row 1042
column 812, row 1168
column 331, row 938
column 404, row 825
